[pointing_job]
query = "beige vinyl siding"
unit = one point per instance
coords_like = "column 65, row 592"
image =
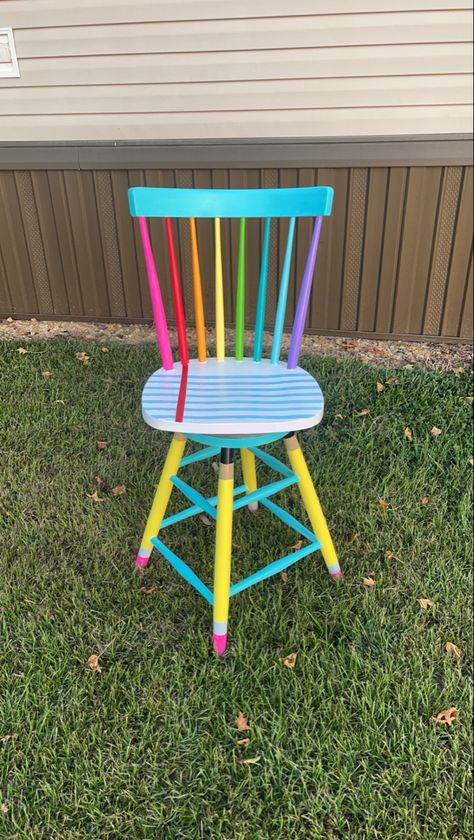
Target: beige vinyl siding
column 208, row 69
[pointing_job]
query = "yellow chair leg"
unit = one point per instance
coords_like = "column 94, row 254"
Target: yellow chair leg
column 250, row 475
column 160, row 502
column 223, row 552
column 312, row 505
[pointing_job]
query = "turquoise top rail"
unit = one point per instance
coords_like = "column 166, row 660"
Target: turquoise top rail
column 205, row 204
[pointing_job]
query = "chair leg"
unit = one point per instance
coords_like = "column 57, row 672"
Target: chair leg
column 250, row 475
column 223, row 551
column 160, row 502
column 312, row 505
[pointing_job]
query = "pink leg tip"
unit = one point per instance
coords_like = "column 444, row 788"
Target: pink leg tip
column 219, row 643
column 336, row 575
column 141, row 562
column 253, row 508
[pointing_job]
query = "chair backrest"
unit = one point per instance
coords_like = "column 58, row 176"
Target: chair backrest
column 148, row 202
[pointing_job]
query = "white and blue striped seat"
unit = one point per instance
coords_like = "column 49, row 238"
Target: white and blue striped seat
column 233, row 398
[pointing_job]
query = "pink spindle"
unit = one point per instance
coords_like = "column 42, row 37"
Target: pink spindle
column 156, row 300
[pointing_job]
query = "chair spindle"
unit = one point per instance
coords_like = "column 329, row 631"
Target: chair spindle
column 303, row 300
column 177, row 297
column 159, row 316
column 220, row 325
column 282, row 297
column 240, row 303
column 262, row 294
column 197, row 288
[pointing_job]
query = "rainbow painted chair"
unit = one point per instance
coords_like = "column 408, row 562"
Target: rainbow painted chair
column 234, row 402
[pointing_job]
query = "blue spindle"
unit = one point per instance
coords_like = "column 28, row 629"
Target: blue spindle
column 262, row 294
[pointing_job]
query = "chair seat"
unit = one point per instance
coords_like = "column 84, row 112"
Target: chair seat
column 232, row 397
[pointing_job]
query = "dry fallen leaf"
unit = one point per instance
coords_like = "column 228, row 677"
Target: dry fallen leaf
column 435, row 432
column 22, row 350
column 46, row 374
column 383, row 505
column 424, row 501
column 424, row 603
column 215, row 466
column 453, row 650
column 119, row 490
column 102, row 444
column 363, row 413
column 393, row 381
column 284, row 577
column 408, row 433
column 60, row 401
column 290, row 660
column 95, row 497
column 204, row 519
column 4, row 808
column 148, row 590
column 241, row 723
column 468, row 399
column 249, row 760
column 458, row 370
column 380, row 387
column 243, row 742
column 4, row 739
column 104, row 349
column 296, row 547
column 446, row 717
column 471, row 461
column 100, row 484
column 388, row 554
column 93, row 663
column 82, row 357
column 338, row 417
column 368, row 581
column 353, row 537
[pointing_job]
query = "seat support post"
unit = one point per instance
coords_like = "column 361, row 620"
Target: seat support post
column 312, row 505
column 160, row 502
column 223, row 550
column 250, row 475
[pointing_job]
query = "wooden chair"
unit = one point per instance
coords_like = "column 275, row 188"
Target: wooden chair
column 234, row 402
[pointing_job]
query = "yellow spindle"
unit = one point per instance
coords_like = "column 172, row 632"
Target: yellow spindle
column 220, row 327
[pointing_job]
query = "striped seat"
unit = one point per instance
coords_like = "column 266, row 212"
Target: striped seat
column 232, row 398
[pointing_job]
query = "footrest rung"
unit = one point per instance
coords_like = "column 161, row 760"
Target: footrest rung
column 195, row 509
column 183, row 570
column 273, row 568
column 264, row 492
column 289, row 520
column 194, row 496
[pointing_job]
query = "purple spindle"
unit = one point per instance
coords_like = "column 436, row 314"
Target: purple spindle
column 303, row 300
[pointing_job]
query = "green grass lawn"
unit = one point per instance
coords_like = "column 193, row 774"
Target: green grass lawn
column 344, row 743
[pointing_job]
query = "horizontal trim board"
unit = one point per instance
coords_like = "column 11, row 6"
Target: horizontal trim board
column 430, row 150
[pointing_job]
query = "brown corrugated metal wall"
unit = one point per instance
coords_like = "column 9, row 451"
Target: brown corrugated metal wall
column 395, row 258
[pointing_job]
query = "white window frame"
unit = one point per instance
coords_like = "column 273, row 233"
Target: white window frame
column 9, row 70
